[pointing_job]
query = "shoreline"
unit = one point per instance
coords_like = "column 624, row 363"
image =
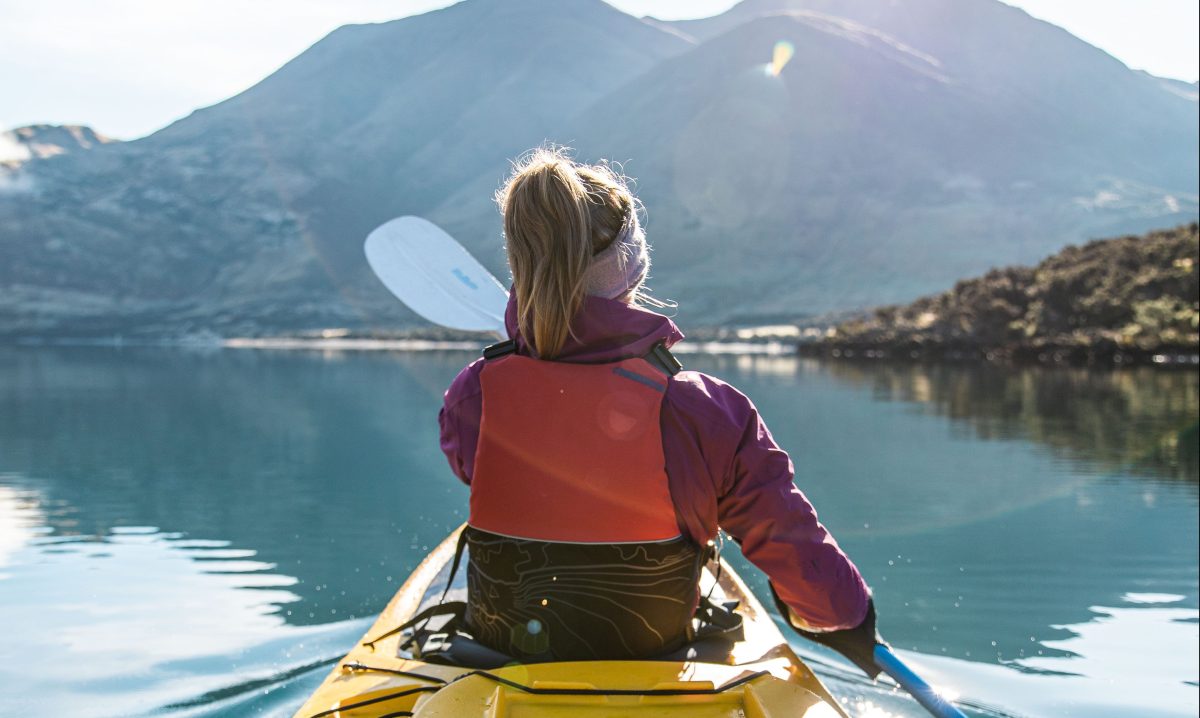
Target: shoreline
column 357, row 344
column 368, row 344
column 1101, row 355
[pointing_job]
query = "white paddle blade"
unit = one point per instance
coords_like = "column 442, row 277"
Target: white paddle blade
column 432, row 274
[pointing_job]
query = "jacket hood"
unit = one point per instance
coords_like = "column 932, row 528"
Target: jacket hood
column 604, row 330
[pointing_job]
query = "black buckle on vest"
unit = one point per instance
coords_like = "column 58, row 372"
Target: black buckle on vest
column 499, row 349
column 663, row 359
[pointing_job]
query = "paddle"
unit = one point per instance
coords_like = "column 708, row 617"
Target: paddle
column 436, row 278
column 924, row 693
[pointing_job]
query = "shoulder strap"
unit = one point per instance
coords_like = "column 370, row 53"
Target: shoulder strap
column 458, row 554
column 659, row 356
column 663, row 360
column 499, row 349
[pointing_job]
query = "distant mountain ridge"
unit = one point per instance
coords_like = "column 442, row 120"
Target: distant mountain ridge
column 889, row 158
column 42, row 141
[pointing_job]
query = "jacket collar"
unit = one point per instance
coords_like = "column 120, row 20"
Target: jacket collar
column 605, row 330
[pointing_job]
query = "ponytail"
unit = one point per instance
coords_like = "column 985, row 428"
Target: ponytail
column 557, row 215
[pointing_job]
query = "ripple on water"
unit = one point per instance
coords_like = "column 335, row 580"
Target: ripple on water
column 1127, row 660
column 190, row 635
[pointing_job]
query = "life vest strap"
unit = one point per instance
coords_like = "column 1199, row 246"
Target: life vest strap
column 662, row 359
column 659, row 356
column 499, row 349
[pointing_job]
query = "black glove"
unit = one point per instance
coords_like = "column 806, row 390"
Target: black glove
column 857, row 644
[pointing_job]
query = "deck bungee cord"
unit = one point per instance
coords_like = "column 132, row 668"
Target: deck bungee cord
column 376, row 700
column 356, row 666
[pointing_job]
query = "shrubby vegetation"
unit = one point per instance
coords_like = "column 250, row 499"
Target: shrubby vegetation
column 1122, row 299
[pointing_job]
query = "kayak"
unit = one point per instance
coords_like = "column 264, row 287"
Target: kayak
column 758, row 675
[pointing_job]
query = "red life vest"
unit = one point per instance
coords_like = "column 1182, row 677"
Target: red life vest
column 574, row 549
column 572, row 452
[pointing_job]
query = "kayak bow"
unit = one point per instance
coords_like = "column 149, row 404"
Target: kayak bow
column 763, row 677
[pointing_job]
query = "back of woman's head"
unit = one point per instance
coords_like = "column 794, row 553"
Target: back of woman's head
column 558, row 214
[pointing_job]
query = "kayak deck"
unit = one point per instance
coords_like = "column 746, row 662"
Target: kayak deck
column 763, row 679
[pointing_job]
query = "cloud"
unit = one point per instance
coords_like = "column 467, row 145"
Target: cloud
column 10, row 149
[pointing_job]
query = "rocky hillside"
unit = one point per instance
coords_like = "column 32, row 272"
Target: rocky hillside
column 1129, row 297
column 906, row 144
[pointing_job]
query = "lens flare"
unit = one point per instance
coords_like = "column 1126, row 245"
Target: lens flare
column 780, row 57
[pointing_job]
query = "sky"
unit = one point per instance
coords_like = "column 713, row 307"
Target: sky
column 129, row 67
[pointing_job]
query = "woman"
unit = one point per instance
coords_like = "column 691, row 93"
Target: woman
column 599, row 471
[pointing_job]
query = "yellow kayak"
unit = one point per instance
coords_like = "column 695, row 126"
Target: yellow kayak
column 760, row 678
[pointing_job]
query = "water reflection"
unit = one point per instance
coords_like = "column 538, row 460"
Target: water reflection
column 1140, row 421
column 21, row 519
column 324, row 472
column 245, row 504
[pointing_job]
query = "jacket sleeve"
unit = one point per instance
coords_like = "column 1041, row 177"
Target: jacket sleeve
column 760, row 507
column 459, row 418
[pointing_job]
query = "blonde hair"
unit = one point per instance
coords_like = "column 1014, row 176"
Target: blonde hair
column 557, row 215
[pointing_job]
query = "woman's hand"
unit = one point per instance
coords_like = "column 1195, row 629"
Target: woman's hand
column 857, row 644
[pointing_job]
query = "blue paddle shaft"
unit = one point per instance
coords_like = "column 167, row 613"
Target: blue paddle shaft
column 916, row 686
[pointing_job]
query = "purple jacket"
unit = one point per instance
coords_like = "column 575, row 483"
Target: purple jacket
column 724, row 468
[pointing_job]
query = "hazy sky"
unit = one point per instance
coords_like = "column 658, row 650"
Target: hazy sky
column 128, row 67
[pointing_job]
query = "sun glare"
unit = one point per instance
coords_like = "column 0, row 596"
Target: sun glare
column 780, row 57
column 19, row 515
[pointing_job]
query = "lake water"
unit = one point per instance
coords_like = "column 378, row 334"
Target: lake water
column 188, row 533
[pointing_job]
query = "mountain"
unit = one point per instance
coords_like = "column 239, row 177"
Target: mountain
column 905, row 144
column 870, row 171
column 249, row 215
column 1035, row 75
